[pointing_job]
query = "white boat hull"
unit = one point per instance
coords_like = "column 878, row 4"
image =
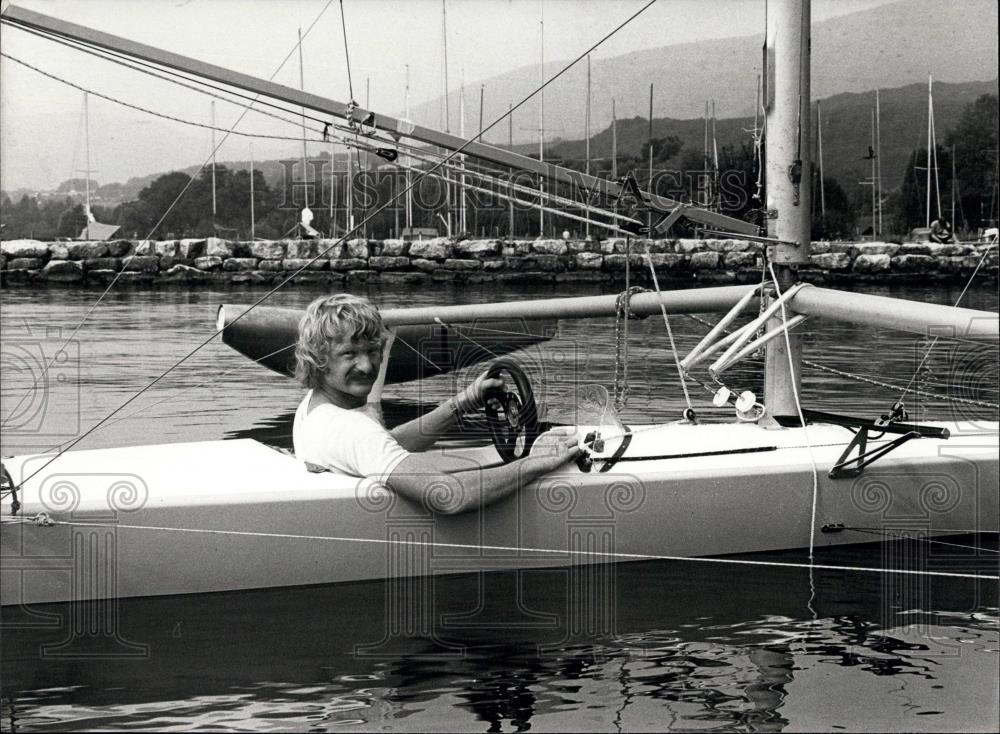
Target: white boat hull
column 228, row 515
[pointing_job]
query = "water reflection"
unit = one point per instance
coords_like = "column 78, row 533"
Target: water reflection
column 722, row 649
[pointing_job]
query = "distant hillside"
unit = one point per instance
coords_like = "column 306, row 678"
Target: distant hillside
column 888, row 46
column 846, row 130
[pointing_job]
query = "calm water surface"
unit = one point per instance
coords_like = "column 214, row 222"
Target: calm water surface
column 683, row 646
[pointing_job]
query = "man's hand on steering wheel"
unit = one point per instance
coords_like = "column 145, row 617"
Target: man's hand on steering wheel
column 475, row 395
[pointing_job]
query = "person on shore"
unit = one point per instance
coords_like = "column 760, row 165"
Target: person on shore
column 941, row 231
column 338, row 425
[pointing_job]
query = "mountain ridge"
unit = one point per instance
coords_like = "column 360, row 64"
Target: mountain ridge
column 957, row 42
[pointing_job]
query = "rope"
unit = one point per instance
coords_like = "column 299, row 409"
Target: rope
column 902, row 535
column 347, row 53
column 520, row 549
column 623, row 312
column 670, row 333
column 467, row 338
column 802, row 420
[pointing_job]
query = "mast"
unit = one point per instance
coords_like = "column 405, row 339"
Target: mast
column 462, row 213
column 874, row 190
column 213, row 161
column 878, row 157
column 587, row 125
column 954, row 224
column 788, row 191
column 715, row 162
column 649, row 185
column 479, row 139
column 614, row 141
column 705, row 162
column 447, row 112
column 510, row 145
column 819, row 138
column 364, row 170
column 409, row 193
column 253, row 230
column 86, row 135
column 937, row 172
column 930, row 124
column 541, row 124
column 305, row 155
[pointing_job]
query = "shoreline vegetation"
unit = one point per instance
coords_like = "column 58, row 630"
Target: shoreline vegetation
column 214, row 261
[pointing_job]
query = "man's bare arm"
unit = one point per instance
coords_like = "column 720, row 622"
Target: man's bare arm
column 419, row 478
column 421, row 433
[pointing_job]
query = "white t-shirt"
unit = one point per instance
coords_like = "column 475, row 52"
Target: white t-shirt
column 346, row 441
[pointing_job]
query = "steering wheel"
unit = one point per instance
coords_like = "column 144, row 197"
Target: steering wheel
column 511, row 416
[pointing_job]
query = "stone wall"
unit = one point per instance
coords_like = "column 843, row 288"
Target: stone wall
column 214, row 261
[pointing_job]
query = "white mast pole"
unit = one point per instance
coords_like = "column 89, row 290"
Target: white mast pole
column 649, row 182
column 614, row 141
column 541, row 124
column 462, row 213
column 954, row 224
column 302, row 86
column 409, row 193
column 86, row 135
column 874, row 191
column 253, row 230
column 367, row 165
column 510, row 145
column 788, row 191
column 819, row 136
column 213, row 161
column 930, row 124
column 447, row 111
column 878, row 157
column 587, row 125
column 705, row 161
column 937, row 173
column 715, row 163
column 333, row 180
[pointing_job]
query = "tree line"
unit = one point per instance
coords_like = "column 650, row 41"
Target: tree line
column 177, row 205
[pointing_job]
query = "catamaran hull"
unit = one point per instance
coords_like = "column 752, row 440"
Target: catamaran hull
column 221, row 516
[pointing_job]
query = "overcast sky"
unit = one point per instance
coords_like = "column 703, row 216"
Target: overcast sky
column 41, row 134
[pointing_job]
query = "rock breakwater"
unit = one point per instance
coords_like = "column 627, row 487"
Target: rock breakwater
column 213, row 261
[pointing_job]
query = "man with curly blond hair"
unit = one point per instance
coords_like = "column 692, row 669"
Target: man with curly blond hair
column 339, row 359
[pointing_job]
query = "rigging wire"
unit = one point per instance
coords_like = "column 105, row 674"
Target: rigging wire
column 574, row 552
column 243, row 365
column 364, row 222
column 670, row 332
column 862, row 378
column 145, row 110
column 916, row 372
column 173, row 76
column 101, row 297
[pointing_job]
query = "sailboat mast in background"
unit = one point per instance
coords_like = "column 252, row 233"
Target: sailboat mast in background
column 541, row 125
column 86, row 175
